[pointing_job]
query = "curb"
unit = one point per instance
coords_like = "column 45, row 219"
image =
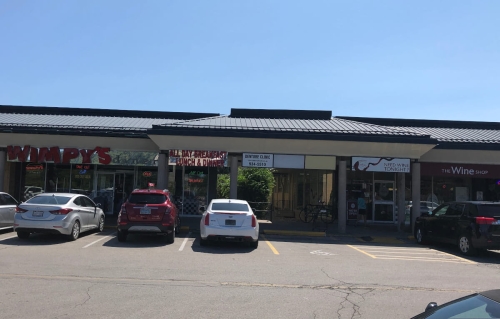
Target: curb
column 294, row 233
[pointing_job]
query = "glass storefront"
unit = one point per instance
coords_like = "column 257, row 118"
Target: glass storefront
column 295, row 189
column 377, row 190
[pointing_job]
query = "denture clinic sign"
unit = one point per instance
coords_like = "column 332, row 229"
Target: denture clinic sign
column 197, row 158
column 56, row 155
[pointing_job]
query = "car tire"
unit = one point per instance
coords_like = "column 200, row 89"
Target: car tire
column 254, row 244
column 100, row 227
column 23, row 234
column 465, row 245
column 203, row 242
column 75, row 231
column 420, row 236
column 122, row 236
column 170, row 237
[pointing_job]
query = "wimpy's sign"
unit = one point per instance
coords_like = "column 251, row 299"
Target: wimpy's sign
column 197, row 158
column 56, row 155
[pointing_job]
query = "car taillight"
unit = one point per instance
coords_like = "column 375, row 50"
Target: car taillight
column 207, row 219
column 485, row 220
column 63, row 211
column 20, row 210
column 254, row 221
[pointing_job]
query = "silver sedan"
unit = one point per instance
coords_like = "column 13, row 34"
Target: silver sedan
column 58, row 213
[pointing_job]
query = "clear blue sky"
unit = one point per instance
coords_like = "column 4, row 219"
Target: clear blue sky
column 377, row 58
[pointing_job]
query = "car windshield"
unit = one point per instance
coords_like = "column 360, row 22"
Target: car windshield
column 147, row 199
column 49, row 200
column 489, row 210
column 235, row 207
column 475, row 306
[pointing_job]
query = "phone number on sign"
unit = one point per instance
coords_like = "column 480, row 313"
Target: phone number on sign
column 257, row 164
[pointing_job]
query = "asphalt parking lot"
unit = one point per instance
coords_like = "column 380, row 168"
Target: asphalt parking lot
column 47, row 276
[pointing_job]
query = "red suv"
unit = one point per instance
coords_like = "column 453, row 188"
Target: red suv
column 149, row 211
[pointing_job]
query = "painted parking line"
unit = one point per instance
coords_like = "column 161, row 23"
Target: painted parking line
column 96, row 241
column 8, row 238
column 5, row 228
column 274, row 250
column 184, row 242
column 409, row 254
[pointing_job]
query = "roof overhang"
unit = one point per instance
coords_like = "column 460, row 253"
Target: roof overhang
column 292, row 145
column 78, row 141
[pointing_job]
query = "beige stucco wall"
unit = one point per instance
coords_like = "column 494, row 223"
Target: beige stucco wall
column 462, row 156
column 284, row 146
column 81, row 142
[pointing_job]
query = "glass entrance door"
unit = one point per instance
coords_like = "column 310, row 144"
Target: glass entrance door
column 105, row 192
column 124, row 185
column 383, row 201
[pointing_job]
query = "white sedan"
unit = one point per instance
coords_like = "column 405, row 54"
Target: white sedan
column 229, row 220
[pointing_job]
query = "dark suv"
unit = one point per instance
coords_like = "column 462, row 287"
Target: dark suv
column 148, row 211
column 469, row 225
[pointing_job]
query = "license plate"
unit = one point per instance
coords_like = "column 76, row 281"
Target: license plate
column 230, row 222
column 37, row 214
column 145, row 211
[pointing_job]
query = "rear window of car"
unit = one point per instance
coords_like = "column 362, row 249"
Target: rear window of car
column 147, row 198
column 235, row 207
column 49, row 200
column 488, row 210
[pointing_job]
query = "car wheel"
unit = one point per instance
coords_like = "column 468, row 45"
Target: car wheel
column 100, row 228
column 75, row 231
column 420, row 237
column 171, row 236
column 254, row 244
column 203, row 242
column 23, row 234
column 465, row 245
column 122, row 236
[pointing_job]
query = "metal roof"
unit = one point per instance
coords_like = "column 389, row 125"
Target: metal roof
column 36, row 119
column 79, row 121
column 443, row 131
column 332, row 125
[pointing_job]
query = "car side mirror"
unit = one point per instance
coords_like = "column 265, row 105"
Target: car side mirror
column 430, row 306
column 98, row 205
column 425, row 214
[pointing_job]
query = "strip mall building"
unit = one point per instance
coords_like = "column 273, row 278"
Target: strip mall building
column 315, row 157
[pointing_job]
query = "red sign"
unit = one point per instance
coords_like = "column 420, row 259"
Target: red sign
column 460, row 170
column 34, row 167
column 147, row 174
column 197, row 158
column 54, row 154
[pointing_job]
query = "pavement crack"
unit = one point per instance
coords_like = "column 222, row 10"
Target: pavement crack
column 88, row 296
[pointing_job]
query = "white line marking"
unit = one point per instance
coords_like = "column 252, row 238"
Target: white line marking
column 4, row 228
column 96, row 241
column 184, row 241
column 8, row 238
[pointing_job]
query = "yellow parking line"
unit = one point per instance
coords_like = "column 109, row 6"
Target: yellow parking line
column 361, row 251
column 270, row 245
column 466, row 260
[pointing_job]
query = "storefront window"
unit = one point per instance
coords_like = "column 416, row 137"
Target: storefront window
column 82, row 178
column 58, row 178
column 146, row 175
column 34, row 180
column 449, row 189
